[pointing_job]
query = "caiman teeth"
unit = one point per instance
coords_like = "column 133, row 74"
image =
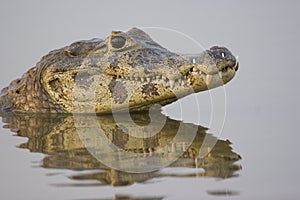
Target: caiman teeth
column 172, row 83
column 220, row 74
column 162, row 82
column 208, row 79
column 236, row 61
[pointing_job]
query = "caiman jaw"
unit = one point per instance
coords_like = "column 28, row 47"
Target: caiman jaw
column 199, row 76
column 213, row 76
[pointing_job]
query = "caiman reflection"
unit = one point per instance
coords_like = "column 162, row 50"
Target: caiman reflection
column 59, row 138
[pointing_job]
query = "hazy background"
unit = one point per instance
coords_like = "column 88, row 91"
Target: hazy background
column 262, row 101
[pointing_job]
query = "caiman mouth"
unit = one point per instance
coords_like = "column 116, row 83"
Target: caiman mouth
column 189, row 74
column 220, row 70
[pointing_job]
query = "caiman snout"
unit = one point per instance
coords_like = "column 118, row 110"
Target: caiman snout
column 212, row 68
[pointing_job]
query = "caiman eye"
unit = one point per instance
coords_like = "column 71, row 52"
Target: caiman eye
column 117, row 42
column 223, row 55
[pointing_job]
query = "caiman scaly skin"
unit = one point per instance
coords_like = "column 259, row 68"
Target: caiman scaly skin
column 127, row 70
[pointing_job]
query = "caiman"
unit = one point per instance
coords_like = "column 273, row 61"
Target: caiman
column 127, row 70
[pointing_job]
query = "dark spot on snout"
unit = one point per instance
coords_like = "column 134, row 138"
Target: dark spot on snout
column 118, row 91
column 83, row 78
column 150, row 89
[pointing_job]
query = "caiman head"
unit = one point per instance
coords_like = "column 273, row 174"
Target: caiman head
column 127, row 70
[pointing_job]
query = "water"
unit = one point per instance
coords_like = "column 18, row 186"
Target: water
column 262, row 109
